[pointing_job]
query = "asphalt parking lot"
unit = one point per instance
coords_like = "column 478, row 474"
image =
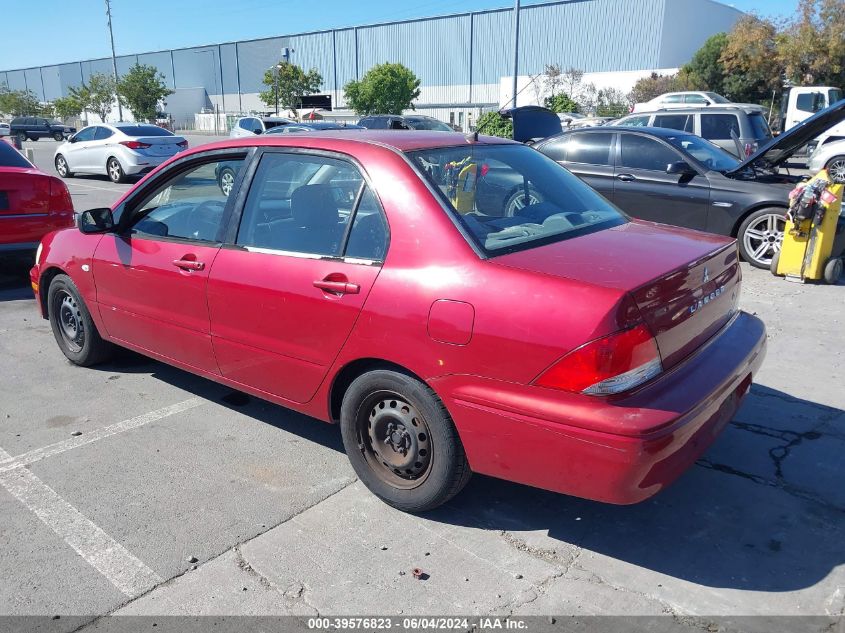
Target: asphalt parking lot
column 136, row 488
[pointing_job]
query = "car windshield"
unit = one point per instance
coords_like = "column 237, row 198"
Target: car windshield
column 710, row 155
column 428, row 124
column 10, row 157
column 511, row 197
column 144, row 130
column 717, row 98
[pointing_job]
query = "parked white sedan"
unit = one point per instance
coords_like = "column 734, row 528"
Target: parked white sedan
column 4, row 129
column 117, row 150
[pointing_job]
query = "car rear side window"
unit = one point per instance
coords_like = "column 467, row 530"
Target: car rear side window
column 640, row 152
column 718, row 127
column 696, row 99
column 9, row 157
column 635, row 121
column 102, row 133
column 590, row 149
column 675, row 121
column 302, row 203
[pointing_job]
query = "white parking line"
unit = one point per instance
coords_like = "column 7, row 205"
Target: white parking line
column 8, row 463
column 125, row 571
column 78, row 184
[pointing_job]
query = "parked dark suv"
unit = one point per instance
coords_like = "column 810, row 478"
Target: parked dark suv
column 34, row 128
column 396, row 122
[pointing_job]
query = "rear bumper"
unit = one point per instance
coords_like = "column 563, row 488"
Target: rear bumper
column 134, row 163
column 618, row 450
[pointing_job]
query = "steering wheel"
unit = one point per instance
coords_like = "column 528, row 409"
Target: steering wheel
column 204, row 219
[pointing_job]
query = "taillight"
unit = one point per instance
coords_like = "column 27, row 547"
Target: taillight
column 183, row 144
column 609, row 365
column 750, row 148
column 135, row 144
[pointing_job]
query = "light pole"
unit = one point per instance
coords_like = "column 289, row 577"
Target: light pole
column 113, row 59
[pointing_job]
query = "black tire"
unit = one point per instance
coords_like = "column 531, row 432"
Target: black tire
column 21, row 136
column 760, row 236
column 62, row 167
column 115, row 171
column 389, row 404
column 58, row 136
column 72, row 326
column 833, row 270
column 774, row 265
column 516, row 201
column 836, row 169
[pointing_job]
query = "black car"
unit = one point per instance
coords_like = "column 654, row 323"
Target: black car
column 34, row 128
column 397, row 122
column 312, row 126
column 678, row 178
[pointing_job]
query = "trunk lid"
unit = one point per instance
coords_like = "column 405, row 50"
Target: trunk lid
column 23, row 191
column 160, row 145
column 685, row 283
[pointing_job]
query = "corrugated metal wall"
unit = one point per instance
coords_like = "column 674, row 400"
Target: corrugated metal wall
column 460, row 58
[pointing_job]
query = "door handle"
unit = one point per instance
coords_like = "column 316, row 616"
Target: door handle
column 625, row 177
column 339, row 287
column 188, row 264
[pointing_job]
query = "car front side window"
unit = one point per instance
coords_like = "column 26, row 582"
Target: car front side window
column 191, row 206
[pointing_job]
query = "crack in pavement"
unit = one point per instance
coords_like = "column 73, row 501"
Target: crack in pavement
column 778, row 453
column 175, row 577
column 296, row 592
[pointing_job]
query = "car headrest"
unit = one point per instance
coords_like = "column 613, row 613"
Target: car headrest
column 314, row 206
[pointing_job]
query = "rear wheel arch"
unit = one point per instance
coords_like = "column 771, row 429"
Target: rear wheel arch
column 352, row 370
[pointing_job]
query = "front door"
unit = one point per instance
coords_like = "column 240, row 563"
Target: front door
column 77, row 151
column 643, row 189
column 151, row 276
column 284, row 298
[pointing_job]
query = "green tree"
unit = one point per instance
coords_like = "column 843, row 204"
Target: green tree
column 811, row 46
column 289, row 86
column 67, row 107
column 18, row 102
column 97, row 95
column 385, row 89
column 494, row 124
column 705, row 70
column 561, row 102
column 141, row 90
column 612, row 102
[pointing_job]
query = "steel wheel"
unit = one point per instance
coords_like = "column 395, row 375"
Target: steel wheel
column 227, row 181
column 763, row 238
column 395, row 440
column 836, row 169
column 70, row 321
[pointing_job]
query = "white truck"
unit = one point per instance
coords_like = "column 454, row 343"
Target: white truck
column 801, row 102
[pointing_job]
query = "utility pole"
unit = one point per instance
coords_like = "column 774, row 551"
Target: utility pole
column 286, row 56
column 113, row 59
column 515, row 48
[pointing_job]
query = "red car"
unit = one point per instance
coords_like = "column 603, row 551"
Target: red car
column 31, row 203
column 391, row 283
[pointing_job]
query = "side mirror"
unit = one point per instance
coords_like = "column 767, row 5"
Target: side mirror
column 681, row 168
column 96, row 221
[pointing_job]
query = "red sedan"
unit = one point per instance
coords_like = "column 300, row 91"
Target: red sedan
column 31, row 203
column 414, row 288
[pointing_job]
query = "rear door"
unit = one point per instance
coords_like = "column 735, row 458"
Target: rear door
column 588, row 155
column 643, row 189
column 285, row 295
column 151, row 275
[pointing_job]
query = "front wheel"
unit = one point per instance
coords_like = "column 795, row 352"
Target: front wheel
column 401, row 441
column 72, row 325
column 115, row 171
column 760, row 236
column 62, row 167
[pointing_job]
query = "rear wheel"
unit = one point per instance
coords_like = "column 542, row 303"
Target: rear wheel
column 760, row 236
column 401, row 441
column 518, row 200
column 836, row 169
column 833, row 270
column 72, row 325
column 21, row 136
column 62, row 167
column 115, row 171
column 227, row 181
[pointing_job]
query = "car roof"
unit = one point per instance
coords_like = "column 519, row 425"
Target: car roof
column 719, row 109
column 399, row 140
column 653, row 131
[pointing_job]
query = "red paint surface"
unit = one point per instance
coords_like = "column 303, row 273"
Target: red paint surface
column 36, row 204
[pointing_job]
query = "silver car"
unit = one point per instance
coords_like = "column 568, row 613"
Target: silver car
column 118, row 150
column 830, row 156
column 254, row 125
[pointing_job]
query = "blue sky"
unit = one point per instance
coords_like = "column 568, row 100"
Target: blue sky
column 78, row 27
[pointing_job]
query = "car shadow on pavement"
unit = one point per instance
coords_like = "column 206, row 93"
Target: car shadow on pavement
column 14, row 277
column 763, row 509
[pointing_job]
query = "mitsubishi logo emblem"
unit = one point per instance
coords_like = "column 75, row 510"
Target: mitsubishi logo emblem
column 706, row 275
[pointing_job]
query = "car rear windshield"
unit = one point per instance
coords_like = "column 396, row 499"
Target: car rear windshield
column 144, row 130
column 10, row 157
column 428, row 124
column 510, row 197
column 759, row 126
